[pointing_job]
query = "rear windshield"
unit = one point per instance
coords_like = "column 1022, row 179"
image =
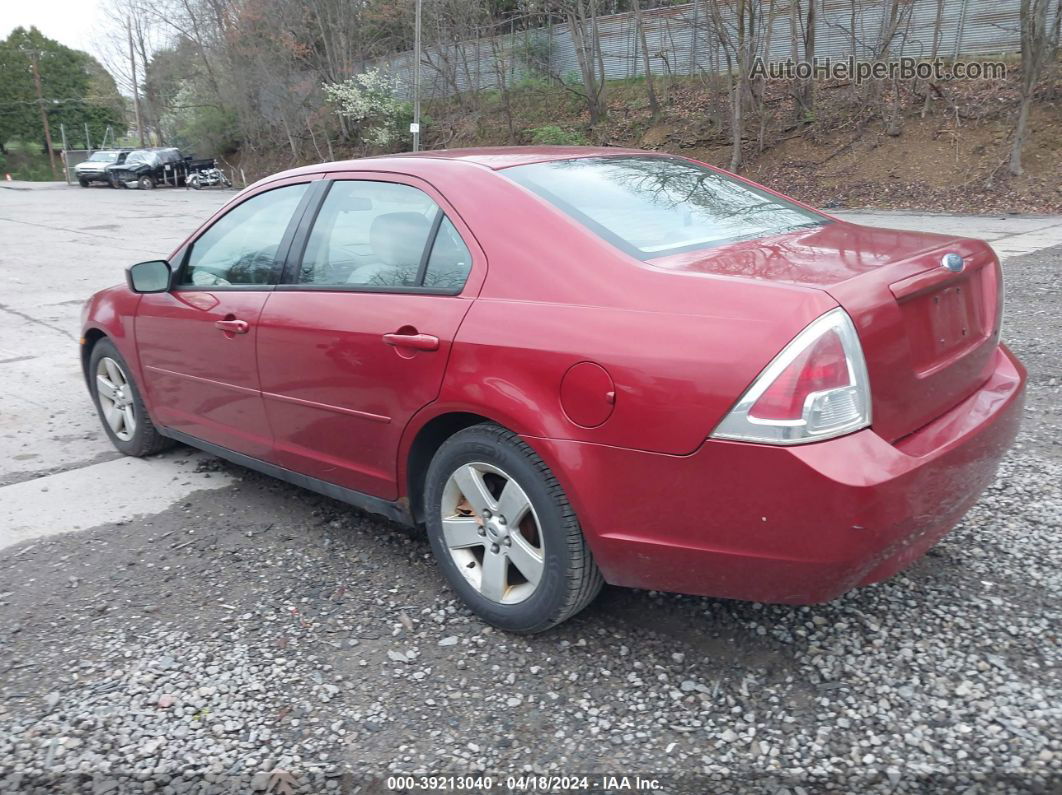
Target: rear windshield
column 654, row 206
column 142, row 156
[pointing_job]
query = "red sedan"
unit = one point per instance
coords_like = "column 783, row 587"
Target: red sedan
column 576, row 366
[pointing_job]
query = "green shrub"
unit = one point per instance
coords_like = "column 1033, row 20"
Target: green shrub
column 552, row 135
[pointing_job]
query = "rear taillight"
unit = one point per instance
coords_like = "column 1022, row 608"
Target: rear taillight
column 815, row 389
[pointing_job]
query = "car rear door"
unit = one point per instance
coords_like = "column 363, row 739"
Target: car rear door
column 355, row 339
column 197, row 341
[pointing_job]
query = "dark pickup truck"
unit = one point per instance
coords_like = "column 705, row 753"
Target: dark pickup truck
column 147, row 168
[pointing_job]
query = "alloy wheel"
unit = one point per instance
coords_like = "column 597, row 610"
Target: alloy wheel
column 492, row 533
column 116, row 398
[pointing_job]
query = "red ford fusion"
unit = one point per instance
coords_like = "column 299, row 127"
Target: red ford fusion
column 574, row 366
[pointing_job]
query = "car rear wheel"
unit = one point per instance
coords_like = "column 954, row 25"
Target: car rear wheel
column 504, row 534
column 84, row 183
column 118, row 401
column 145, row 183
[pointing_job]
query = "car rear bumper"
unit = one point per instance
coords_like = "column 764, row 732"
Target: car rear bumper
column 793, row 525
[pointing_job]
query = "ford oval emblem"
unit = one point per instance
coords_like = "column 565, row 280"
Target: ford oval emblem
column 953, row 262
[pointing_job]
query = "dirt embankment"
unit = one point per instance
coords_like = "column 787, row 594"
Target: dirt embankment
column 949, row 154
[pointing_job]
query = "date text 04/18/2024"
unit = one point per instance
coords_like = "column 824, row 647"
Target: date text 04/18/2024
column 525, row 783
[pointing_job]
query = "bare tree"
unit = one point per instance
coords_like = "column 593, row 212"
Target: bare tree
column 759, row 85
column 578, row 14
column 502, row 57
column 639, row 21
column 125, row 51
column 938, row 26
column 1039, row 44
column 737, row 42
column 807, row 89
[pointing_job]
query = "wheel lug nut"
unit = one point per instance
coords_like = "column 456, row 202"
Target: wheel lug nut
column 482, row 531
column 501, row 519
column 508, row 542
column 494, row 548
column 486, row 514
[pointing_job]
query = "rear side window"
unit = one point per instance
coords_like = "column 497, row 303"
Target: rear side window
column 380, row 235
column 241, row 247
column 450, row 260
column 654, row 206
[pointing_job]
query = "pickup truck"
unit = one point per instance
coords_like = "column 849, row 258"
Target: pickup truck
column 95, row 168
column 148, row 168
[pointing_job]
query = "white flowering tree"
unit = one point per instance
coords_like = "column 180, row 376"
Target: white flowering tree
column 368, row 102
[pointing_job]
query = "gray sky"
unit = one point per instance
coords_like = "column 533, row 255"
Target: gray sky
column 75, row 23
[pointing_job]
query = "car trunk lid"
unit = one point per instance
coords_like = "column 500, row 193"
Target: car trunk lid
column 928, row 334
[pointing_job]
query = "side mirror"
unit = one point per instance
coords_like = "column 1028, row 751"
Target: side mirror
column 152, row 276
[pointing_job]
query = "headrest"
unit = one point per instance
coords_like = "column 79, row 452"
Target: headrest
column 398, row 238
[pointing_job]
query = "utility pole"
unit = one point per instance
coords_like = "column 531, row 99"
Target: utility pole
column 35, row 68
column 136, row 90
column 415, row 126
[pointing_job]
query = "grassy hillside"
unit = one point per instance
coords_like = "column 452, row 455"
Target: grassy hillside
column 27, row 161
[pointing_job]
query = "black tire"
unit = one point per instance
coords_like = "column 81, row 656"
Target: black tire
column 193, row 183
column 145, row 183
column 84, row 183
column 145, row 440
column 570, row 579
column 114, row 182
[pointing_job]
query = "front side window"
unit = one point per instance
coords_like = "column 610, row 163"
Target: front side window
column 242, row 246
column 375, row 235
column 654, row 206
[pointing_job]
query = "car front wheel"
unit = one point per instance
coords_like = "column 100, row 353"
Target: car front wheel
column 145, row 183
column 118, row 401
column 504, row 533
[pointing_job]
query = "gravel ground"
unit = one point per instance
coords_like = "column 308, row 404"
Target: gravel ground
column 259, row 638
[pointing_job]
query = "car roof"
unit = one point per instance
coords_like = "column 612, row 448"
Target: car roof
column 494, row 158
column 498, row 157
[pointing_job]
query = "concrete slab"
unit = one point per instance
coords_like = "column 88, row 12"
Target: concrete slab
column 114, row 491
column 58, row 245
column 1010, row 235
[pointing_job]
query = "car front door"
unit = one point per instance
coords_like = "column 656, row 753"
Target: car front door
column 197, row 341
column 355, row 339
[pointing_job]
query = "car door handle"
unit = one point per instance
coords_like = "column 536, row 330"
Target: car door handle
column 418, row 342
column 232, row 326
